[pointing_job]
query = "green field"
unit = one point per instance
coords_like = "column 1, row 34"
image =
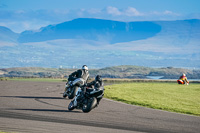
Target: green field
column 165, row 96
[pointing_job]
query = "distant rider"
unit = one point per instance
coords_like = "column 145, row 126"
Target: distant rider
column 183, row 80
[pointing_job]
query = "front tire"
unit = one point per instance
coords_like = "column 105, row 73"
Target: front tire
column 92, row 102
column 64, row 94
column 71, row 105
column 73, row 92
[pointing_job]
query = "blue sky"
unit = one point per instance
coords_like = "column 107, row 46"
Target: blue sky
column 20, row 15
column 182, row 6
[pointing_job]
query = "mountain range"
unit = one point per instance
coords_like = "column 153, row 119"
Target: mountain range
column 100, row 43
column 93, row 29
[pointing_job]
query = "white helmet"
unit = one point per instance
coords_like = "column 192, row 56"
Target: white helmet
column 184, row 74
column 84, row 67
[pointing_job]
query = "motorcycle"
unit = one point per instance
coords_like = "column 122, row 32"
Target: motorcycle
column 86, row 102
column 72, row 87
column 179, row 81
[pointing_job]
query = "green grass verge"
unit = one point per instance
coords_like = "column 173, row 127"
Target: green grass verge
column 165, row 96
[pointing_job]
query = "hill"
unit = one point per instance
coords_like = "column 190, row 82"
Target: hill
column 133, row 72
column 7, row 35
column 103, row 43
column 93, row 29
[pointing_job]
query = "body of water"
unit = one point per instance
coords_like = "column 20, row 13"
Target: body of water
column 154, row 77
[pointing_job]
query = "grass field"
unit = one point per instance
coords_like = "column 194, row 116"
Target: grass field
column 165, row 96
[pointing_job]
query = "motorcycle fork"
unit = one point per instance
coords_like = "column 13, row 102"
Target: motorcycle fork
column 68, row 89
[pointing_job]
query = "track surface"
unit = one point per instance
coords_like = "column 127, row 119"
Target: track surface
column 39, row 107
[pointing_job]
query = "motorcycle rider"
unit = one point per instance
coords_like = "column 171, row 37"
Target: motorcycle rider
column 81, row 73
column 96, row 87
column 183, row 80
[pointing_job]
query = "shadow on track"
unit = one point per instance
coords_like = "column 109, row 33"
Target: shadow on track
column 39, row 99
column 48, row 110
column 33, row 97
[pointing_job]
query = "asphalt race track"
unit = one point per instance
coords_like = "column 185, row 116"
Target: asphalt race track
column 38, row 107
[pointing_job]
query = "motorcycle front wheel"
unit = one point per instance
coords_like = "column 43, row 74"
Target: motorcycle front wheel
column 71, row 106
column 92, row 102
column 72, row 94
column 65, row 94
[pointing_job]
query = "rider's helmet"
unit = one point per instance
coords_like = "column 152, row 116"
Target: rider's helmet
column 184, row 74
column 84, row 67
column 98, row 78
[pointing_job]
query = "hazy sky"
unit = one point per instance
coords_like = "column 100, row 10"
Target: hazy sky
column 179, row 6
column 20, row 15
